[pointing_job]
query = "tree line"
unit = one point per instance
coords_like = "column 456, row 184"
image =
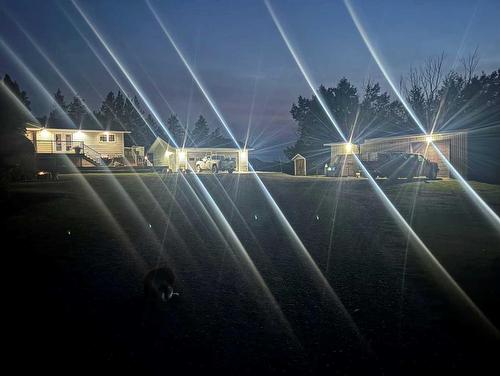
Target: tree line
column 442, row 101
column 117, row 112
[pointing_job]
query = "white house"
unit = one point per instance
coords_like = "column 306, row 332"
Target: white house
column 91, row 146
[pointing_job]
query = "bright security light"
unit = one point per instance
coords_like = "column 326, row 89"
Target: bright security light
column 78, row 136
column 44, row 133
column 348, row 147
column 428, row 139
column 182, row 155
column 243, row 155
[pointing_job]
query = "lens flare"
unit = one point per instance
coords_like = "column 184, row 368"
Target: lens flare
column 483, row 206
column 288, row 228
column 36, row 81
column 216, row 213
column 400, row 221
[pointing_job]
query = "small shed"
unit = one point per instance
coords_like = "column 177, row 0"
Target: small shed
column 299, row 165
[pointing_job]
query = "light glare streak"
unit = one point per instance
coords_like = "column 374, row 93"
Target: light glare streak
column 35, row 80
column 221, row 220
column 311, row 84
column 401, row 222
column 483, row 206
column 288, row 228
column 378, row 60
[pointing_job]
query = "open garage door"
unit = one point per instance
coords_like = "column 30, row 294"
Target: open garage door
column 431, row 154
column 194, row 155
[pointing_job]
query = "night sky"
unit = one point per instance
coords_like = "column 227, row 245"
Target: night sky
column 237, row 52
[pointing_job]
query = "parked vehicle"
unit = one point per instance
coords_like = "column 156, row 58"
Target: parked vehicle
column 385, row 165
column 216, row 163
column 401, row 165
column 343, row 165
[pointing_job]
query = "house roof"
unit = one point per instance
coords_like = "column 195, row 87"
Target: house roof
column 86, row 126
column 33, row 126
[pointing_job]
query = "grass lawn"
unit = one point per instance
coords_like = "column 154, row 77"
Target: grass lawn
column 355, row 297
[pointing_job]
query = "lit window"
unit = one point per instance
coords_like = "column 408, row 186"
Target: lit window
column 107, row 137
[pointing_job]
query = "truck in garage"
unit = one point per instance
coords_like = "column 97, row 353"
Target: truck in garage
column 216, row 163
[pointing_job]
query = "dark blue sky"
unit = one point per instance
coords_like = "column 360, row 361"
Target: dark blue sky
column 237, row 51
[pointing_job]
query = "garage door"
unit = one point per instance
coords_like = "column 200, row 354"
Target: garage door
column 432, row 155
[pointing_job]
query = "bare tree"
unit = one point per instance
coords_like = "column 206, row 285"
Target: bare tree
column 469, row 65
column 431, row 75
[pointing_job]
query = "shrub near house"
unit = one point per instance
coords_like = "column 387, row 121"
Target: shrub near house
column 17, row 158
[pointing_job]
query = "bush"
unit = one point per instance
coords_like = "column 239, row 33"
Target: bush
column 17, row 159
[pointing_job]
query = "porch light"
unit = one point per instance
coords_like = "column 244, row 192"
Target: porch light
column 78, row 136
column 348, row 147
column 182, row 155
column 44, row 133
column 429, row 139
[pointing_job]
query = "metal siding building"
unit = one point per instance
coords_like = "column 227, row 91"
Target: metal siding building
column 454, row 146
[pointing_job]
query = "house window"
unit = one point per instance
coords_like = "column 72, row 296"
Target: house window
column 107, row 138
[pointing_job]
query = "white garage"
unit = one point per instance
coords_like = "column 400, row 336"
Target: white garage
column 162, row 154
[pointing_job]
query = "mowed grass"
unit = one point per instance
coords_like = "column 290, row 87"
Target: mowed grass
column 250, row 293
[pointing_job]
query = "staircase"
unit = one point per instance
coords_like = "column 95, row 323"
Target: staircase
column 92, row 156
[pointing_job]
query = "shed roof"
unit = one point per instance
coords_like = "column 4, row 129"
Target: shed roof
column 298, row 156
column 404, row 136
column 399, row 137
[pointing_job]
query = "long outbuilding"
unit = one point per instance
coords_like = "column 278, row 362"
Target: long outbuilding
column 453, row 145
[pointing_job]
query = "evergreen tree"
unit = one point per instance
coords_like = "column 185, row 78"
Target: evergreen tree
column 154, row 129
column 132, row 120
column 118, row 107
column 13, row 113
column 200, row 131
column 105, row 114
column 175, row 129
column 57, row 117
column 76, row 111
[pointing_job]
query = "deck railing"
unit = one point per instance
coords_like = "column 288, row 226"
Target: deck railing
column 69, row 147
column 65, row 147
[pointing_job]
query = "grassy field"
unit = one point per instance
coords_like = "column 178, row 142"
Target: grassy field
column 355, row 295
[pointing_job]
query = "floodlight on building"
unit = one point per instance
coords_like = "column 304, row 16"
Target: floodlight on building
column 244, row 155
column 78, row 136
column 348, row 147
column 44, row 133
column 429, row 139
column 182, row 155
